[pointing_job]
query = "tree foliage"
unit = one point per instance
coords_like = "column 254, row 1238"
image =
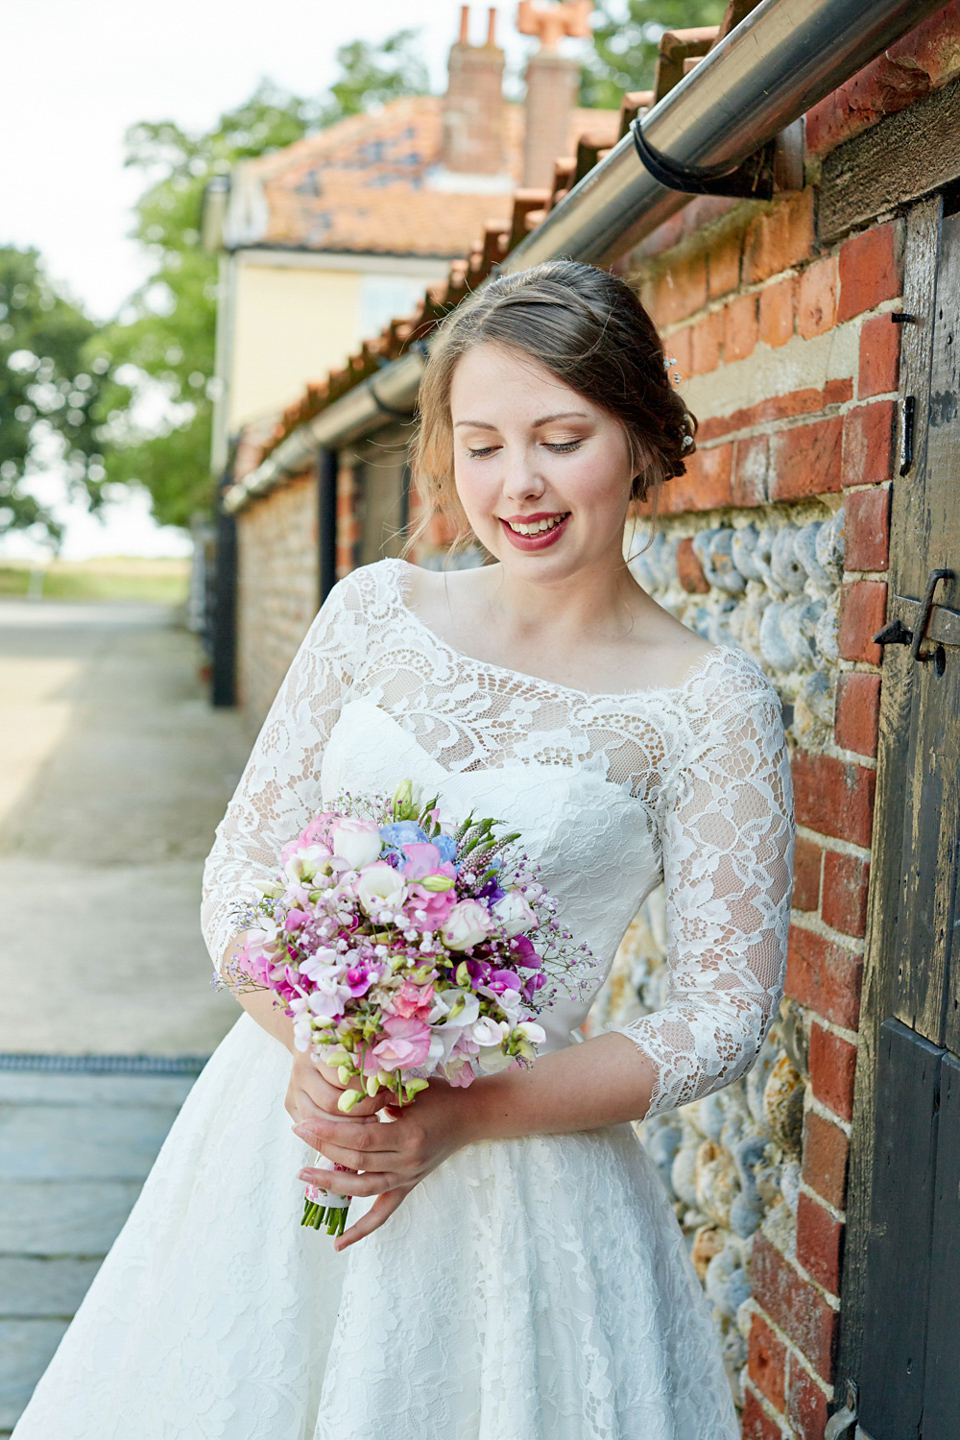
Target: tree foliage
column 625, row 40
column 167, row 329
column 53, row 386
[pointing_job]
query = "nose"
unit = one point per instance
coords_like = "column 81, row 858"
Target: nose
column 521, row 476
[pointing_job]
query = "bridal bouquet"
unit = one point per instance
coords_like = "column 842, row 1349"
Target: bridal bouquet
column 400, row 945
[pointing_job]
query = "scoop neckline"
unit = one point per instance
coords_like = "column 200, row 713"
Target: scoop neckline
column 714, row 654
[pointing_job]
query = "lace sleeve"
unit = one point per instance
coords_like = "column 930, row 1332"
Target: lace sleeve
column 280, row 786
column 727, row 864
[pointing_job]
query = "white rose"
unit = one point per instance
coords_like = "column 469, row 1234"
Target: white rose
column 514, row 914
column 380, row 885
column 467, row 924
column 356, row 841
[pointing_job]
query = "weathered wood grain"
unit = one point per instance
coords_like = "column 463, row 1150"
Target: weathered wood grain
column 905, row 156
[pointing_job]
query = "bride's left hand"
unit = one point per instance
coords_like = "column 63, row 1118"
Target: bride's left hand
column 394, row 1157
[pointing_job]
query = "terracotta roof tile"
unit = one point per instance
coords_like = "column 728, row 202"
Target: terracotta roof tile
column 364, row 184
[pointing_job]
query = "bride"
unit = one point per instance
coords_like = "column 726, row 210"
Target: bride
column 512, row 1269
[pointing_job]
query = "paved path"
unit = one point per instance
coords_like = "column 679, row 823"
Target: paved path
column 113, row 773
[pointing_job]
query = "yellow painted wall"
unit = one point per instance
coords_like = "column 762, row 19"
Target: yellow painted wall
column 290, row 326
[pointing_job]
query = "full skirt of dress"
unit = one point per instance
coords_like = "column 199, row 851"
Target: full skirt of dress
column 534, row 1289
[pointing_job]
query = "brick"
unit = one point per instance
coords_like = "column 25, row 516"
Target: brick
column 824, row 976
column 705, row 339
column 869, row 271
column 867, row 530
column 833, row 1065
column 919, row 62
column 838, row 391
column 740, row 328
column 756, row 1423
column 689, row 570
column 794, row 1305
column 751, row 461
column 834, row 797
column 806, row 1404
column 780, row 239
column 807, row 863
column 868, row 443
column 819, row 1243
column 767, row 1362
column 776, row 312
column 845, row 882
column 723, row 265
column 863, row 610
column 679, row 348
column 879, row 357
column 858, row 713
column 825, row 1156
column 817, row 298
column 806, row 459
column 706, row 485
column 680, row 289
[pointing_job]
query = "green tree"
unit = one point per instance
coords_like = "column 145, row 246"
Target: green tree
column 53, row 388
column 625, row 41
column 163, row 342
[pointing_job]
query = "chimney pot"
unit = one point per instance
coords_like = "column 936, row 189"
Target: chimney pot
column 464, row 24
column 492, row 26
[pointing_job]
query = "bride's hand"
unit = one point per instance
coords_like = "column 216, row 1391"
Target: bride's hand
column 315, row 1089
column 393, row 1157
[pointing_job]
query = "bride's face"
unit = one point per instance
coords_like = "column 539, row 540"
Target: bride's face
column 543, row 475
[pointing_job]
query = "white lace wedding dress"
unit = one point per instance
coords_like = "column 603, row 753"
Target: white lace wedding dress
column 533, row 1289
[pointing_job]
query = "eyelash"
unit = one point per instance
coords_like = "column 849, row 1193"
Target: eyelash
column 562, row 449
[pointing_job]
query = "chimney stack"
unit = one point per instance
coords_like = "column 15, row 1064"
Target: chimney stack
column 552, row 83
column 473, row 110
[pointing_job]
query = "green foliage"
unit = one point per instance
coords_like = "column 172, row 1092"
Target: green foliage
column 52, row 392
column 625, row 41
column 167, row 329
column 374, row 74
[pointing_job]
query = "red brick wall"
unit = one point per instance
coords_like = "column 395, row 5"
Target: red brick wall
column 790, row 358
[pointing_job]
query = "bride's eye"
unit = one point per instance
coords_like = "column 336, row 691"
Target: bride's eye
column 479, row 454
column 562, row 447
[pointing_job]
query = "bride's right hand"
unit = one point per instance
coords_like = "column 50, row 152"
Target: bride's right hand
column 315, row 1089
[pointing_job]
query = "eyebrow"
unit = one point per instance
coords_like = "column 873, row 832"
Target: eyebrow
column 544, row 420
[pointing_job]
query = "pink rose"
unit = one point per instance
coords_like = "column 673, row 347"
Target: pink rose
column 467, row 924
column 406, row 1046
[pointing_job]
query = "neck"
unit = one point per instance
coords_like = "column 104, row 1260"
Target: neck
column 600, row 597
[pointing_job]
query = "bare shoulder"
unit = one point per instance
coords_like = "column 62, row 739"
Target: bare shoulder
column 442, row 597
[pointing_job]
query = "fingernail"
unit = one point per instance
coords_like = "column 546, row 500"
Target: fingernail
column 298, row 1130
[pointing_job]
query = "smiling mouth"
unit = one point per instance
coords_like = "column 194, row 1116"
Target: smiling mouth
column 536, row 527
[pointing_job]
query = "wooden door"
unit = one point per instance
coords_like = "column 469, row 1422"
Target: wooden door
column 900, row 1321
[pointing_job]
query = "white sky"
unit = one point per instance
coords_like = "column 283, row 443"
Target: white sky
column 79, row 72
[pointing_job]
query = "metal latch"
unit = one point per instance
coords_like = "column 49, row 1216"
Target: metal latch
column 945, row 630
column 841, row 1424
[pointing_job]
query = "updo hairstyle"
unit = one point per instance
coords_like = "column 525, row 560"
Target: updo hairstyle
column 587, row 328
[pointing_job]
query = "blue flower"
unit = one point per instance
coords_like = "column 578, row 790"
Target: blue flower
column 446, row 845
column 402, row 832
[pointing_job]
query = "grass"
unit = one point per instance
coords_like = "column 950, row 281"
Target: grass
column 116, row 577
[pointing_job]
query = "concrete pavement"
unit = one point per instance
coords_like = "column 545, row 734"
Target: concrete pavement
column 113, row 774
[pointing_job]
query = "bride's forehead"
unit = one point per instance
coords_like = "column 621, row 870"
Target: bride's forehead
column 508, row 376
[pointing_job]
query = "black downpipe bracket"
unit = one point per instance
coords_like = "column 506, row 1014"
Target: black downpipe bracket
column 327, row 466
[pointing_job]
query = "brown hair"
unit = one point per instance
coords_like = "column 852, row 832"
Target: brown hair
column 587, row 328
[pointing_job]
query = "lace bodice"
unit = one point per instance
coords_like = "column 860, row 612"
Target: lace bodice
column 690, row 784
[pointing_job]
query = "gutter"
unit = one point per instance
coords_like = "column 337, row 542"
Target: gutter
column 783, row 58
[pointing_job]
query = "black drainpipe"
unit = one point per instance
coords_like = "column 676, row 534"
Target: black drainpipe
column 223, row 619
column 327, row 466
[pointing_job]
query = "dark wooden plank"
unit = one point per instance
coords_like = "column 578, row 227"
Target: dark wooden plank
column 941, row 1408
column 888, row 889
column 898, row 1252
column 905, row 156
